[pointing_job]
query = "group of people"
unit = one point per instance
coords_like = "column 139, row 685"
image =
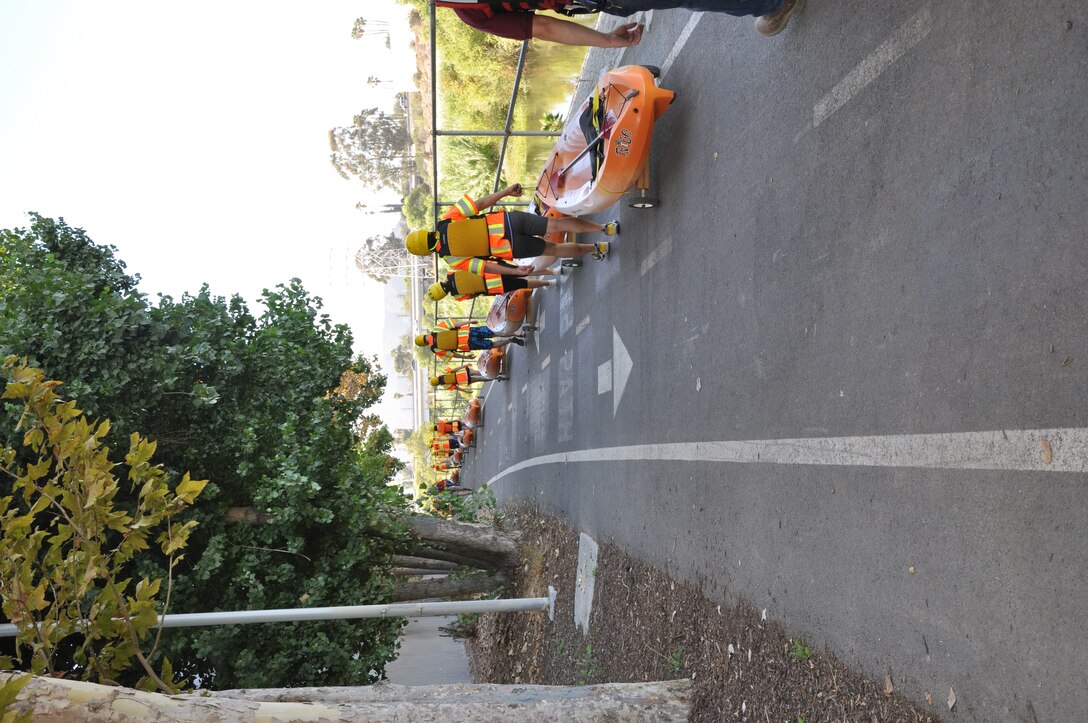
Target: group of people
column 480, row 246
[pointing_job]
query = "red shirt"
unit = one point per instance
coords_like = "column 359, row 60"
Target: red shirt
column 513, row 25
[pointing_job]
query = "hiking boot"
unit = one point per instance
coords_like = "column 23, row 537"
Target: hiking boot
column 601, row 250
column 518, row 340
column 612, row 228
column 774, row 23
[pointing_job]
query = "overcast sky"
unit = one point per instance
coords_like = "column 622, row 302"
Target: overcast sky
column 194, row 137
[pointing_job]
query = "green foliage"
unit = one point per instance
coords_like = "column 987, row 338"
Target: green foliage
column 801, row 651
column 8, row 692
column 418, row 209
column 375, row 148
column 403, row 355
column 676, row 660
column 67, row 540
column 461, row 629
column 271, row 408
column 587, row 667
column 475, row 78
column 551, row 122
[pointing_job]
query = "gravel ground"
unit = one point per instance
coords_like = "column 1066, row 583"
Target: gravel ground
column 645, row 626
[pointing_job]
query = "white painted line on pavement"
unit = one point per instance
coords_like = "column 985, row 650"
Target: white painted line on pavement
column 663, row 249
column 581, row 325
column 585, row 580
column 621, row 369
column 544, row 364
column 1011, row 450
column 906, row 37
column 604, row 378
column 680, row 42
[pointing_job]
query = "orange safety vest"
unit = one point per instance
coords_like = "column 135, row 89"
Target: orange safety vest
column 449, row 339
column 476, row 235
column 448, row 427
column 455, row 377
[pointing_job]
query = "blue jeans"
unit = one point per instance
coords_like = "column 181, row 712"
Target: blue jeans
column 623, row 8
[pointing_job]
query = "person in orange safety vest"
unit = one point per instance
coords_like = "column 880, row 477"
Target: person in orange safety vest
column 448, row 340
column 469, row 240
column 466, row 285
column 459, row 378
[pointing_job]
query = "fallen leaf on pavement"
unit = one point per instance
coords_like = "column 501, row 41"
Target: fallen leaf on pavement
column 1048, row 454
column 1066, row 362
column 929, row 698
column 951, row 698
column 888, row 687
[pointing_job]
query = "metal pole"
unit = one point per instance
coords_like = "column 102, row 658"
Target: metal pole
column 510, row 113
column 348, row 612
column 527, row 134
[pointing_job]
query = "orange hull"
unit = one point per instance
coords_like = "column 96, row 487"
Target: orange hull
column 508, row 311
column 621, row 113
column 474, row 417
column 490, row 362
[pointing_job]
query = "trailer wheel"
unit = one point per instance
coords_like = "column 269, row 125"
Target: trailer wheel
column 644, row 202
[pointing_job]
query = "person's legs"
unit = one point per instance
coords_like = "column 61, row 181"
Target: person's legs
column 623, row 8
column 575, row 224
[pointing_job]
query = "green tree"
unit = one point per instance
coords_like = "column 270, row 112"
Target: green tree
column 418, row 207
column 551, row 122
column 65, row 543
column 248, row 402
column 403, row 355
column 375, row 148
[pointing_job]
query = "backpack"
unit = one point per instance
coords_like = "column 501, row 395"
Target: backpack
column 564, row 7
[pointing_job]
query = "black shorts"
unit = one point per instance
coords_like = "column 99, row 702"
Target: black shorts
column 513, row 283
column 524, row 231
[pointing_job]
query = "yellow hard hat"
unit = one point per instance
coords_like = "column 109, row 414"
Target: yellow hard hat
column 419, row 242
column 421, row 340
column 436, row 292
column 435, row 381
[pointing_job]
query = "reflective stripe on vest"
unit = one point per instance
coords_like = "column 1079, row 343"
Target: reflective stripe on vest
column 496, row 231
column 494, row 283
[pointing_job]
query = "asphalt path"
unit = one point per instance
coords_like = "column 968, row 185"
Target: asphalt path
column 869, row 268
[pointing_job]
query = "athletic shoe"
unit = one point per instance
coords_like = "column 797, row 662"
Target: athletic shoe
column 774, row 23
column 518, row 340
column 601, row 250
column 612, row 228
